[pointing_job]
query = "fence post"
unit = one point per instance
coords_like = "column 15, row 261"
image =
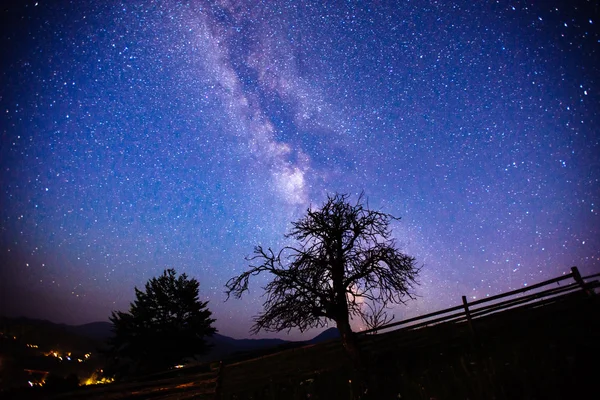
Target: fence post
column 580, row 281
column 468, row 314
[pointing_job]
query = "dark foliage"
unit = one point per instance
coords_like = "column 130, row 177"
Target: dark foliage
column 166, row 324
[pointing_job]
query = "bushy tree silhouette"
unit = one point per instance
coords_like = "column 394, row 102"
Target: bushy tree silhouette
column 166, row 324
column 345, row 256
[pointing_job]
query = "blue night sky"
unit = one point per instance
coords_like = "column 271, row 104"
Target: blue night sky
column 143, row 135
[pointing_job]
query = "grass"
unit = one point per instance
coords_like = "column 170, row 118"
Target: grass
column 540, row 353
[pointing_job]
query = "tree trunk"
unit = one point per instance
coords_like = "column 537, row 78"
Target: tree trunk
column 359, row 379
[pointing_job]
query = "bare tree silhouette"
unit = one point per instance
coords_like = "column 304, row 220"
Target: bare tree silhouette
column 376, row 316
column 345, row 256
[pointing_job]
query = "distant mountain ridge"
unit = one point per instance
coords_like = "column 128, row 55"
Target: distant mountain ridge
column 328, row 334
column 94, row 330
column 49, row 335
column 222, row 346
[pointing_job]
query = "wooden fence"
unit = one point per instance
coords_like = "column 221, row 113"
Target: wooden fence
column 468, row 311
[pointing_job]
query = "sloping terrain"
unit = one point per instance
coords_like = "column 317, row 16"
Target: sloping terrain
column 538, row 351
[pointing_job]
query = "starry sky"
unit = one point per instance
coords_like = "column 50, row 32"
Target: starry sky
column 143, row 135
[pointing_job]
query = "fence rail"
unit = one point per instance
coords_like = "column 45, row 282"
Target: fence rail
column 468, row 311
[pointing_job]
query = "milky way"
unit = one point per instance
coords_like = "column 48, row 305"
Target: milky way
column 143, row 135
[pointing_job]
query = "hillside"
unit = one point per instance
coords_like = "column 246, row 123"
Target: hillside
column 49, row 335
column 526, row 352
column 92, row 336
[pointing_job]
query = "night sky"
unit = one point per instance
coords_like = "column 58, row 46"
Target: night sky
column 143, row 135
